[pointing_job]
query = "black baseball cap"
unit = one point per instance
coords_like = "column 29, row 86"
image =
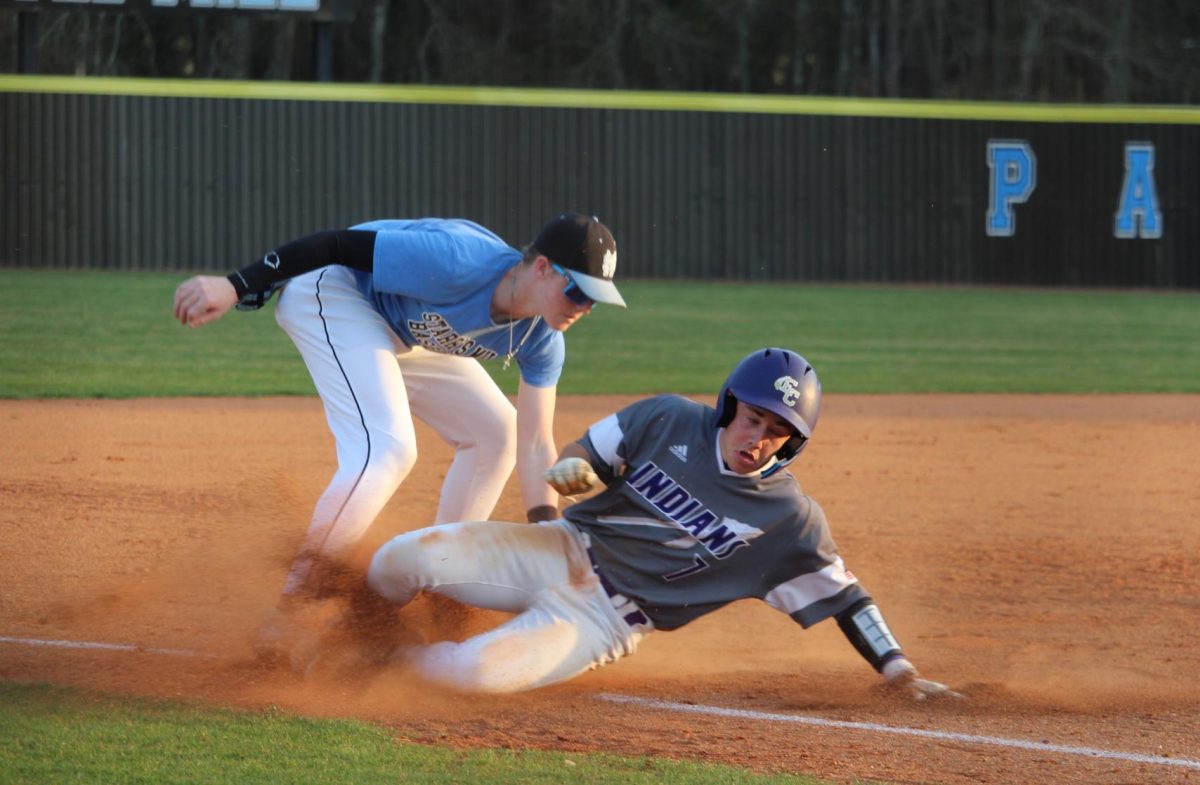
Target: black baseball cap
column 586, row 248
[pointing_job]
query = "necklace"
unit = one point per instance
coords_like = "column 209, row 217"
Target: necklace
column 512, row 298
column 512, row 320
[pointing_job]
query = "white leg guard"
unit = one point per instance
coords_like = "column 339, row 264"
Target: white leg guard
column 565, row 623
column 533, row 650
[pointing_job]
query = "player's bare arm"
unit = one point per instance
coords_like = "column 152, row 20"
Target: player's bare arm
column 536, row 449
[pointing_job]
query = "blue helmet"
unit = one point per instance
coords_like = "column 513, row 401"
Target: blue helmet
column 781, row 382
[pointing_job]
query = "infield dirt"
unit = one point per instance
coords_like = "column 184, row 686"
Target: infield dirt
column 1041, row 553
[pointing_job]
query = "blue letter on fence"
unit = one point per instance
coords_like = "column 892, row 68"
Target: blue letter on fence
column 1138, row 214
column 1013, row 177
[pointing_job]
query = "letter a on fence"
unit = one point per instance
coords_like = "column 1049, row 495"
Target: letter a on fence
column 1138, row 214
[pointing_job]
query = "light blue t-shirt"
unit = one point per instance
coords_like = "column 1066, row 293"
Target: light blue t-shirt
column 433, row 282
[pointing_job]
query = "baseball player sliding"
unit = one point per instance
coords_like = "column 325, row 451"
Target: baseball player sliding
column 698, row 511
column 391, row 318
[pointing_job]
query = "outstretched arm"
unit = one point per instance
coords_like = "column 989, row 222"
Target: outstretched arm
column 863, row 625
column 205, row 298
column 535, row 449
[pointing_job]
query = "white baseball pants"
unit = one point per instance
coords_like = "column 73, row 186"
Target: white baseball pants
column 371, row 385
column 566, row 622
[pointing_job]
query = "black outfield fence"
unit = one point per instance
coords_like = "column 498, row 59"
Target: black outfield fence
column 187, row 175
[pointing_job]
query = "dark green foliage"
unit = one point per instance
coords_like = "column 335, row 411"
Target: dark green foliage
column 1025, row 50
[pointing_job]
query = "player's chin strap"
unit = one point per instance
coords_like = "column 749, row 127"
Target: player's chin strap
column 786, row 454
column 767, row 472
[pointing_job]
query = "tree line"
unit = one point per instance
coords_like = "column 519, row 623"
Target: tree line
column 1112, row 51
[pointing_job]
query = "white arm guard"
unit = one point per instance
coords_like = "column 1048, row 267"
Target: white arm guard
column 863, row 625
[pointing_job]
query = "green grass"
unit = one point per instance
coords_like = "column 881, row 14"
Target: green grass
column 111, row 335
column 92, row 334
column 54, row 735
column 881, row 340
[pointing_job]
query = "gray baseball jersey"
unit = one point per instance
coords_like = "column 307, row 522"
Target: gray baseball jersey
column 681, row 535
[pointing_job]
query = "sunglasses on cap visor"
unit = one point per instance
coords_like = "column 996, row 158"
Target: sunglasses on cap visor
column 572, row 290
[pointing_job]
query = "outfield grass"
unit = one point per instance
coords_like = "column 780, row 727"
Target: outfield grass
column 92, row 334
column 54, row 735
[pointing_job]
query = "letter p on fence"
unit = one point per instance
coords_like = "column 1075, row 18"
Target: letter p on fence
column 1013, row 176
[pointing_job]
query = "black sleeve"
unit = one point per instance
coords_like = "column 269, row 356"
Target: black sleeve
column 350, row 247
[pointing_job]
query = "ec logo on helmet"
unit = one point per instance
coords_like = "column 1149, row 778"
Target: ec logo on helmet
column 790, row 389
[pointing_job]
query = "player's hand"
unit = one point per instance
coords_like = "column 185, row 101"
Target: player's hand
column 571, row 476
column 203, row 299
column 903, row 677
column 923, row 689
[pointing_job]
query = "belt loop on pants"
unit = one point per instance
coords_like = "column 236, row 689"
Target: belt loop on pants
column 625, row 607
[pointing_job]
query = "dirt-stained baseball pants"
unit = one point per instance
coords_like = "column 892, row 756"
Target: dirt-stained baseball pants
column 372, row 385
column 566, row 622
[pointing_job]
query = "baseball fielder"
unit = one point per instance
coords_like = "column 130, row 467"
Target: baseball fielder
column 698, row 511
column 391, row 318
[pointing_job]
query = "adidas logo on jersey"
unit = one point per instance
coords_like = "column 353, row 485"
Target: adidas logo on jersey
column 679, row 451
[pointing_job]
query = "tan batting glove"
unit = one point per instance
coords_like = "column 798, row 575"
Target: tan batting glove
column 571, row 476
column 903, row 676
